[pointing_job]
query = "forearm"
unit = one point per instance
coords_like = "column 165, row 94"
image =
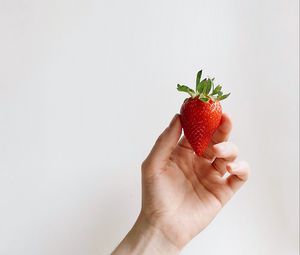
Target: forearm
column 144, row 239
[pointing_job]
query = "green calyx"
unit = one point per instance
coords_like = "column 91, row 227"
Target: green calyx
column 205, row 89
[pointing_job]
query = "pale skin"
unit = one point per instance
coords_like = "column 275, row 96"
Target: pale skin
column 182, row 192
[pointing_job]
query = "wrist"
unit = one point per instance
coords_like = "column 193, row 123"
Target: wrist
column 144, row 239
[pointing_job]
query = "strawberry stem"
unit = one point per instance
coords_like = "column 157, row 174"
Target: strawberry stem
column 205, row 89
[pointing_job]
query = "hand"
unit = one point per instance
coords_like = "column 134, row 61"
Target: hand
column 182, row 192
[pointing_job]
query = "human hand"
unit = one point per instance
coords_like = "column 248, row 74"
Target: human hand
column 182, row 192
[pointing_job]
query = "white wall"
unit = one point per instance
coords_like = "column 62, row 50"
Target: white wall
column 86, row 87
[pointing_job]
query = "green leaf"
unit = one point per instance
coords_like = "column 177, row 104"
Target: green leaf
column 198, row 79
column 184, row 88
column 201, row 86
column 204, row 99
column 220, row 93
column 223, row 97
column 217, row 90
column 208, row 86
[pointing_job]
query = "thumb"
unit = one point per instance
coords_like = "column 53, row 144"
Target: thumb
column 166, row 142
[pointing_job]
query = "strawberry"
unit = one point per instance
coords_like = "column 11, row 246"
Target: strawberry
column 201, row 113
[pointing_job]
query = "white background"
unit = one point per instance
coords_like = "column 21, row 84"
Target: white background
column 87, row 86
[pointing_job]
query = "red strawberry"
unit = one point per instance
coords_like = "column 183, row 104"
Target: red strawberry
column 201, row 113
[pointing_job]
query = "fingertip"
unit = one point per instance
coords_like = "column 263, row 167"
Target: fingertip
column 177, row 124
column 174, row 127
column 175, row 120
